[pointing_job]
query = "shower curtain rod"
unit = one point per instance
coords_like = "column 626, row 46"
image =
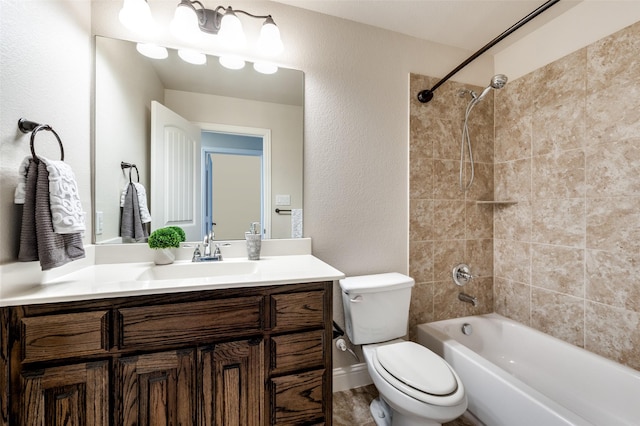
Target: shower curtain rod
column 426, row 95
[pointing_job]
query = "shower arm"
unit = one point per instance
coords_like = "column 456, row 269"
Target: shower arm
column 426, row 95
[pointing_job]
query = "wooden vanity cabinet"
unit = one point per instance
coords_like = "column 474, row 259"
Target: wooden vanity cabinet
column 232, row 357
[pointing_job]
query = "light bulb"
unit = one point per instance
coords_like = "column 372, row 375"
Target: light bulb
column 231, row 34
column 231, row 62
column 135, row 15
column 184, row 24
column 192, row 56
column 265, row 67
column 269, row 41
column 152, row 51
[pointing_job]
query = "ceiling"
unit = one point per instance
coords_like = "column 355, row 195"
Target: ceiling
column 466, row 24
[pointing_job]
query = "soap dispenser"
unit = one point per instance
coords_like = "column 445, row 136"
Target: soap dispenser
column 254, row 241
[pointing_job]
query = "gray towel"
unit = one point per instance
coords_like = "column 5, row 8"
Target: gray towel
column 131, row 228
column 38, row 241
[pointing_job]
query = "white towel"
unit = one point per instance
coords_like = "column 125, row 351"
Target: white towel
column 66, row 209
column 22, row 181
column 296, row 223
column 145, row 216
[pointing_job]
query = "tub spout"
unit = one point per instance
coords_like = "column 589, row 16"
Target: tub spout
column 468, row 299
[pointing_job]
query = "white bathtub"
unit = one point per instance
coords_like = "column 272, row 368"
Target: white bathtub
column 517, row 376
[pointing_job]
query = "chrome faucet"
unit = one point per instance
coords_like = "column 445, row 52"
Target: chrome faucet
column 206, row 255
column 207, row 240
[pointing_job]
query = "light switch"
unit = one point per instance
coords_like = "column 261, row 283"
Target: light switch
column 283, row 200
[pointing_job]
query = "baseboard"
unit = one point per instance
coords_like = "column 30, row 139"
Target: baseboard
column 350, row 377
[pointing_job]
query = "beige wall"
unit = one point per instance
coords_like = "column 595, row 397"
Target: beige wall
column 446, row 225
column 566, row 256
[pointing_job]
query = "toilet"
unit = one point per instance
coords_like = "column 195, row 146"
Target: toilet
column 416, row 386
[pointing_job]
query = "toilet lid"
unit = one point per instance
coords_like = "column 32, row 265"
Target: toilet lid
column 417, row 367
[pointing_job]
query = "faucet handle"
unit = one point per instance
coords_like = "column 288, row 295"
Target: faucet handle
column 196, row 254
column 462, row 274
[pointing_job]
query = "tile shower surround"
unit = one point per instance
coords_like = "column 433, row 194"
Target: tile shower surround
column 566, row 145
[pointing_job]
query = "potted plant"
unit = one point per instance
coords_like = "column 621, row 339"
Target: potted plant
column 163, row 240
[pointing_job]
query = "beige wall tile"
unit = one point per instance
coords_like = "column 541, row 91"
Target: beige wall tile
column 448, row 218
column 613, row 224
column 613, row 114
column 558, row 268
column 479, row 221
column 513, row 222
column 559, row 315
column 512, row 260
column 612, row 169
column 513, row 300
column 513, row 180
column 421, row 261
column 446, row 175
column 550, row 132
column 421, row 178
column 614, row 58
column 613, row 333
column 611, row 279
column 421, row 220
column 558, row 175
column 560, row 82
column 558, row 221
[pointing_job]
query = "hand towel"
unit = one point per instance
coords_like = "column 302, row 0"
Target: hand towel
column 131, row 227
column 67, row 214
column 145, row 216
column 38, row 241
column 22, row 180
column 296, row 223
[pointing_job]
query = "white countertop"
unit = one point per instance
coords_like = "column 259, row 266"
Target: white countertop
column 90, row 280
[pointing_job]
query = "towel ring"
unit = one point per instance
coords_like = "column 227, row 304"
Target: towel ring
column 33, row 137
column 137, row 173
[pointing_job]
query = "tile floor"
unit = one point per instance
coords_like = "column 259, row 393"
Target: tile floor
column 351, row 408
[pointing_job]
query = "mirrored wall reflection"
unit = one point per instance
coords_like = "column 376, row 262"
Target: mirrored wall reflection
column 210, row 97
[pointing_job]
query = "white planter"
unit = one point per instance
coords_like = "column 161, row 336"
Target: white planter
column 164, row 256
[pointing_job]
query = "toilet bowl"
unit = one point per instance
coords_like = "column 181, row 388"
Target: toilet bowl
column 416, row 386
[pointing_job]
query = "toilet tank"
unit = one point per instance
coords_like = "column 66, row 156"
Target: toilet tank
column 376, row 307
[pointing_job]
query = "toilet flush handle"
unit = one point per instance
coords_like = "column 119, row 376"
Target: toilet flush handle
column 356, row 299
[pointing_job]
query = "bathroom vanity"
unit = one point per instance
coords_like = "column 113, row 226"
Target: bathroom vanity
column 220, row 355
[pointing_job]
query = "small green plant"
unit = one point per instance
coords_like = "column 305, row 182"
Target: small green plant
column 180, row 231
column 171, row 236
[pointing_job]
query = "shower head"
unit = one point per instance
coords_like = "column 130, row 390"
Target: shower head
column 498, row 81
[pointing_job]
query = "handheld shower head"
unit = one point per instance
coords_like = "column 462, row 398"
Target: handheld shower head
column 498, row 81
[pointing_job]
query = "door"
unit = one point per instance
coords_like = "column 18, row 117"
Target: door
column 236, row 193
column 156, row 389
column 231, row 384
column 73, row 395
column 176, row 197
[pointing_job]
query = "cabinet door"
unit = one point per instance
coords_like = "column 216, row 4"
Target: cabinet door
column 156, row 389
column 231, row 383
column 73, row 395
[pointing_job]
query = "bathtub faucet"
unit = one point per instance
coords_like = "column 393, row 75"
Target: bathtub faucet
column 468, row 299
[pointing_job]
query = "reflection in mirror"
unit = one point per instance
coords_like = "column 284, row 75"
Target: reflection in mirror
column 233, row 104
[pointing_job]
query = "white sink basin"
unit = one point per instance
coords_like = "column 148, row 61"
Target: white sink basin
column 188, row 270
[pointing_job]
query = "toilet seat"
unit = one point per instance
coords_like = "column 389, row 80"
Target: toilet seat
column 419, row 373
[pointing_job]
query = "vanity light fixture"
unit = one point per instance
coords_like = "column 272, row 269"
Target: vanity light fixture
column 152, row 51
column 191, row 19
column 192, row 56
column 135, row 15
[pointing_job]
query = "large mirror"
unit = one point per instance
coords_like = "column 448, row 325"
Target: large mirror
column 246, row 167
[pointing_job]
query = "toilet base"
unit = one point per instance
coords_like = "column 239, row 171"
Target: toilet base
column 384, row 415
